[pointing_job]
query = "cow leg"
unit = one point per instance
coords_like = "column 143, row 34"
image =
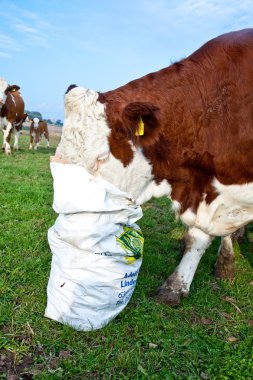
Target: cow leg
column 37, row 141
column 31, row 141
column 47, row 139
column 178, row 284
column 7, row 137
column 225, row 264
column 47, row 142
column 16, row 138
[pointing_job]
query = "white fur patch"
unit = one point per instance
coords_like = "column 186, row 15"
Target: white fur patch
column 176, row 206
column 13, row 100
column 6, row 125
column 3, row 86
column 16, row 138
column 188, row 217
column 85, row 132
column 36, row 121
column 230, row 210
column 189, row 263
column 84, row 142
column 135, row 179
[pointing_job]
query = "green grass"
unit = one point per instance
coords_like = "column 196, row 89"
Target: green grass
column 147, row 340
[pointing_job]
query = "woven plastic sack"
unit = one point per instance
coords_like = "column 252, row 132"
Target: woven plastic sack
column 97, row 249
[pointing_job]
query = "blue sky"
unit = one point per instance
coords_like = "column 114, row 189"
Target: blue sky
column 45, row 45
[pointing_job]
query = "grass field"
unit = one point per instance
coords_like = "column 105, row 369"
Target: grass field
column 209, row 336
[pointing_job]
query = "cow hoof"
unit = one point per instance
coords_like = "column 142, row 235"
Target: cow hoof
column 225, row 273
column 167, row 296
column 171, row 291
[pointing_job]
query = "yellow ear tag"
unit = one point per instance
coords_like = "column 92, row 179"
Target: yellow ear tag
column 140, row 130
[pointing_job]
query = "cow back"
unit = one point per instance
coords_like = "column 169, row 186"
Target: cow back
column 43, row 126
column 201, row 121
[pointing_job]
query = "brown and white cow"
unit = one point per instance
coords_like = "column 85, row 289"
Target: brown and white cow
column 13, row 115
column 185, row 131
column 38, row 129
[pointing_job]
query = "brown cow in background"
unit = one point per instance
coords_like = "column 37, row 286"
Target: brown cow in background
column 38, row 129
column 13, row 115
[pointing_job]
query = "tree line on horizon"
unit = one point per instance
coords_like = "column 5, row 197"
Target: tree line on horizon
column 33, row 114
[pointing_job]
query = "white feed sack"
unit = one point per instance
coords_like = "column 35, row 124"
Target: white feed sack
column 97, row 249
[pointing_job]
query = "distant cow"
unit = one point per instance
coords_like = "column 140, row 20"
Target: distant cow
column 38, row 129
column 185, row 131
column 12, row 113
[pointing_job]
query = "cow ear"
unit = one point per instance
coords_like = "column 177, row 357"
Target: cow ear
column 141, row 121
column 13, row 88
column 70, row 88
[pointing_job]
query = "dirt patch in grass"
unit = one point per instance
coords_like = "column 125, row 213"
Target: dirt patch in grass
column 14, row 368
column 27, row 366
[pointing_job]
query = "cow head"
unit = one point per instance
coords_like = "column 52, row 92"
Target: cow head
column 36, row 121
column 5, row 89
column 85, row 134
column 108, row 149
column 13, row 88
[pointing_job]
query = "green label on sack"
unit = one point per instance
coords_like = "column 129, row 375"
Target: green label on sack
column 132, row 242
